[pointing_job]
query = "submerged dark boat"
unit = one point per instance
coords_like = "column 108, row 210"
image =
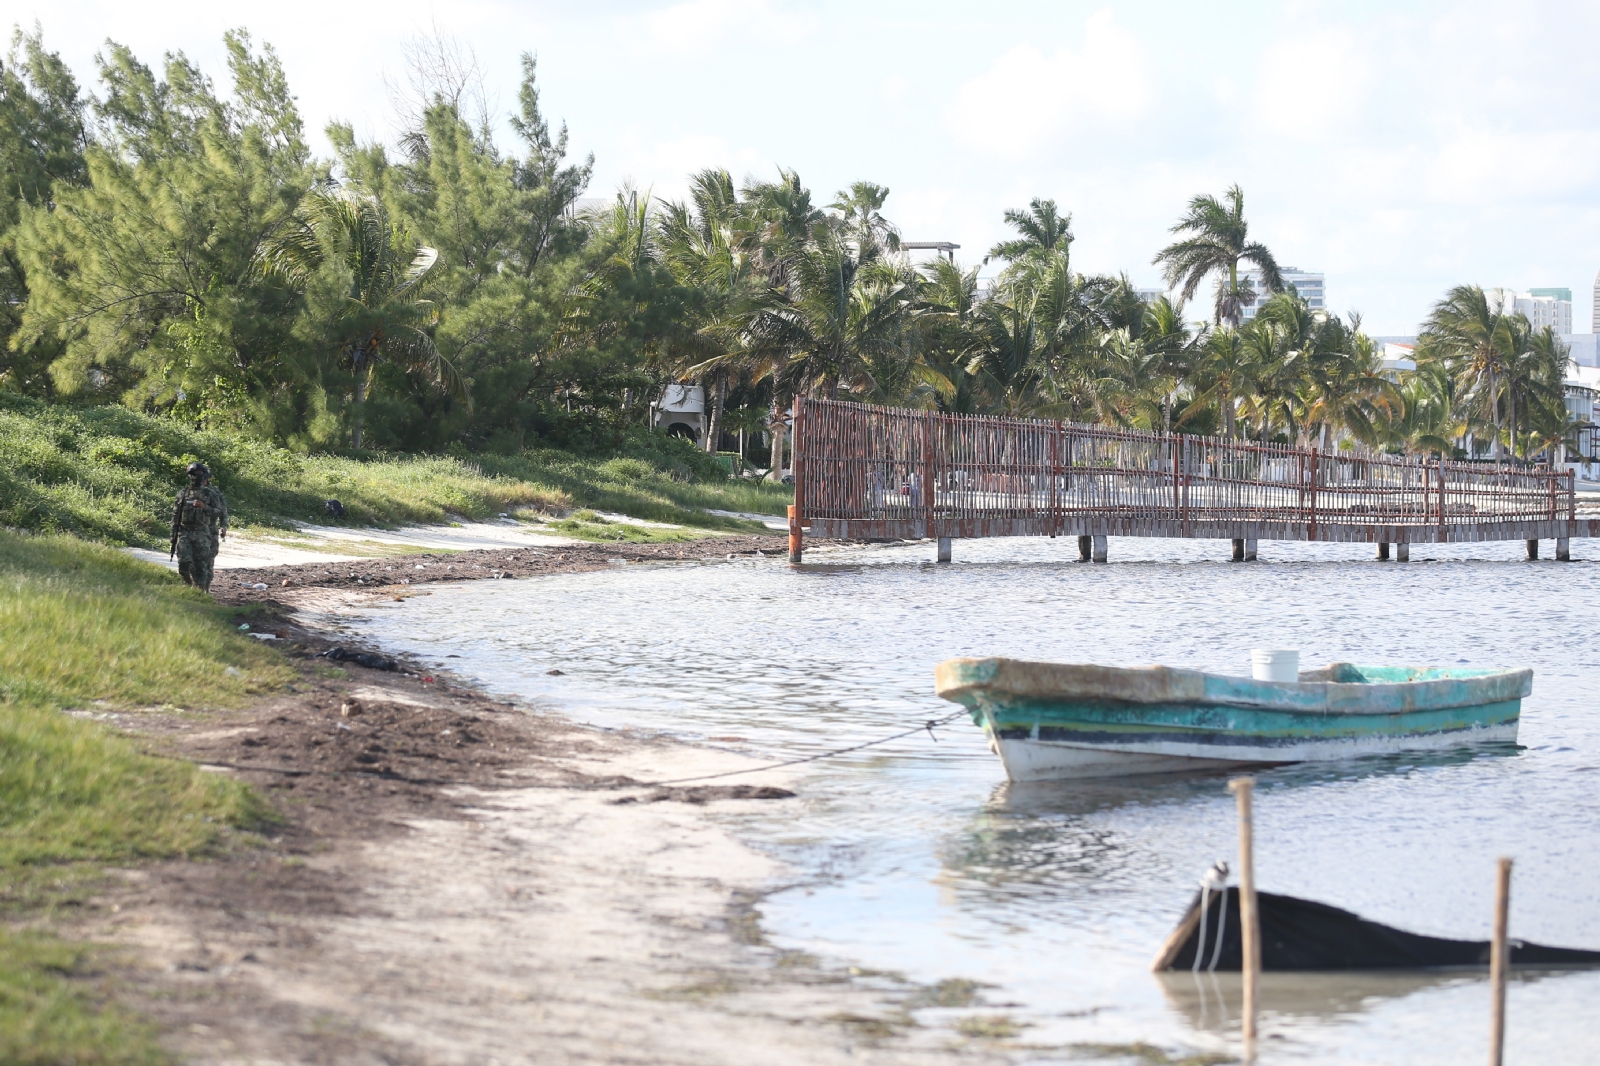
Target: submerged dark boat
column 1303, row 935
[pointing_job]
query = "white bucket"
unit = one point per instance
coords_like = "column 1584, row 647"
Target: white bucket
column 1274, row 665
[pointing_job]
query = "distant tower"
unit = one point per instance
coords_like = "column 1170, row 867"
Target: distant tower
column 1594, row 326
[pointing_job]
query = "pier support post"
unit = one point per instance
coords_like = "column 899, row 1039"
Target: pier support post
column 1085, row 546
column 1383, row 551
column 1402, row 553
column 1563, row 550
column 1099, row 549
column 795, row 536
column 944, row 549
column 1533, row 549
column 1238, row 550
column 1249, row 550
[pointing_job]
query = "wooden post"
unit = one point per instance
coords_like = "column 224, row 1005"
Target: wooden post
column 1383, row 551
column 1498, row 962
column 1533, row 549
column 795, row 539
column 796, row 547
column 1249, row 919
column 1312, row 534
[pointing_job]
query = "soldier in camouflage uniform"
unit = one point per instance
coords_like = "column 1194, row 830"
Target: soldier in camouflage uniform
column 199, row 521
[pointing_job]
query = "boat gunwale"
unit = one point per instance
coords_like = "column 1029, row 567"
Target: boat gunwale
column 965, row 680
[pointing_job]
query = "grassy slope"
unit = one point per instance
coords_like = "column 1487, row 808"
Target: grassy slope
column 109, row 474
column 80, row 623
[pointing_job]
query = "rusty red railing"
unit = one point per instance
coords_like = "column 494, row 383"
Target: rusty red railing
column 864, row 472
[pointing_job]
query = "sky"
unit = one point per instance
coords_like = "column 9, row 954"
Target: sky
column 1400, row 148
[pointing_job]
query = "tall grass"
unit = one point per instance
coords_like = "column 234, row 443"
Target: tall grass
column 86, row 625
column 109, row 474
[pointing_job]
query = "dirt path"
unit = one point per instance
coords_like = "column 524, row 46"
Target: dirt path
column 456, row 880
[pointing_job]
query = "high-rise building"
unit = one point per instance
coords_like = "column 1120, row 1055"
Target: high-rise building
column 1307, row 283
column 1594, row 325
column 1541, row 307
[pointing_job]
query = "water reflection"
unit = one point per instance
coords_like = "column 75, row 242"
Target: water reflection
column 916, row 857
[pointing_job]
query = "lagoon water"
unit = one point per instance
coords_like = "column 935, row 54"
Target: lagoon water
column 917, row 857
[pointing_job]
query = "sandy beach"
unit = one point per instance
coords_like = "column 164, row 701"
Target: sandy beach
column 458, row 880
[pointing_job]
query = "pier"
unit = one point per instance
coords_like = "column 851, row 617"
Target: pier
column 864, row 472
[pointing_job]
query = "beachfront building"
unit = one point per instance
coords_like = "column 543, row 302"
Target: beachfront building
column 1309, row 284
column 1541, row 307
column 1582, row 386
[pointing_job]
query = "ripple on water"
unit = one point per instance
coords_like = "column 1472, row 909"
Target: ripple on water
column 922, row 859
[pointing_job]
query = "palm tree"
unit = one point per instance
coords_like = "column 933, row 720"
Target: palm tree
column 947, row 318
column 705, row 249
column 1472, row 339
column 364, row 273
column 1224, row 372
column 1218, row 239
column 1042, row 227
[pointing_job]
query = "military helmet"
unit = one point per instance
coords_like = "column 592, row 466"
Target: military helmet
column 199, row 470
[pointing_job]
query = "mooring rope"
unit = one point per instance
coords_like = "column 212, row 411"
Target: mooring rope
column 929, row 726
column 289, row 771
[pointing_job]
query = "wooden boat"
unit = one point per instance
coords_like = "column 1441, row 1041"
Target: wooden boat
column 1051, row 721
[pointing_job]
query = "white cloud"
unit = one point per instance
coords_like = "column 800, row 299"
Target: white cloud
column 1319, row 80
column 1028, row 99
column 663, row 167
column 698, row 26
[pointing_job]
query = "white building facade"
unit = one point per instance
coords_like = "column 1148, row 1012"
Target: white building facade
column 1541, row 307
column 1309, row 284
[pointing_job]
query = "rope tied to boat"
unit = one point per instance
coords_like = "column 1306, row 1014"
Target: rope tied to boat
column 929, row 725
column 1215, row 880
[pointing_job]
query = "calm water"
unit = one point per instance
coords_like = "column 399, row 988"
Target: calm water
column 918, row 857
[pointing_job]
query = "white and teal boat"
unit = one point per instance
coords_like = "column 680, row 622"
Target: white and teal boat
column 1051, row 721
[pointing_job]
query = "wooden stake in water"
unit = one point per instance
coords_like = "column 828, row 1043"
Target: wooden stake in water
column 1499, row 962
column 1250, row 920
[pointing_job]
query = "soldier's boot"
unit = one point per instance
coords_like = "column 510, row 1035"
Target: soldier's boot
column 184, row 571
column 203, row 575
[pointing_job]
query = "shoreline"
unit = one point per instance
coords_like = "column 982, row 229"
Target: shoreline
column 236, row 586
column 586, row 916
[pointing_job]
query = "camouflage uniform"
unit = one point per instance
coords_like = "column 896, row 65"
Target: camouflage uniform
column 199, row 517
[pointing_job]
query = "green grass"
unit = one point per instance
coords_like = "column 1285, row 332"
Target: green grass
column 586, row 525
column 52, row 1013
column 85, row 625
column 109, row 474
column 656, row 489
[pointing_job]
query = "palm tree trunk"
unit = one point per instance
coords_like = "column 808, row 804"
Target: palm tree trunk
column 776, row 424
column 1494, row 410
column 360, row 407
column 718, row 402
column 1227, row 414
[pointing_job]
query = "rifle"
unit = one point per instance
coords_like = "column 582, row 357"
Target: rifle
column 173, row 549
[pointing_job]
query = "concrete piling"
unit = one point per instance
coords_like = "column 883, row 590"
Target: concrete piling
column 944, row 549
column 1383, row 551
column 1085, row 546
column 1563, row 550
column 1402, row 552
column 1533, row 549
column 1099, row 549
column 1238, row 550
column 1249, row 550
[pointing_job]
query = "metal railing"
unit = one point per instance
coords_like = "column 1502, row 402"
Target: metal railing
column 864, row 471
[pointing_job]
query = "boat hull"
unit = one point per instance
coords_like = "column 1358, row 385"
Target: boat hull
column 1051, row 722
